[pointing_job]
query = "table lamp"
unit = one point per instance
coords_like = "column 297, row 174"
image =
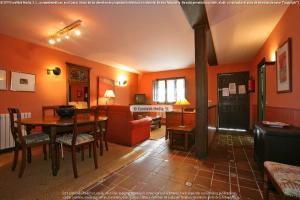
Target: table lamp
column 182, row 102
column 109, row 94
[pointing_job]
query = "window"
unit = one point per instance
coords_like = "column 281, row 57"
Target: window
column 168, row 90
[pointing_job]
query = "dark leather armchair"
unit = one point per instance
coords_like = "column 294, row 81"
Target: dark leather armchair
column 277, row 144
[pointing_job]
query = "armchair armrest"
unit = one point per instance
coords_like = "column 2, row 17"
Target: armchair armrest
column 139, row 130
column 140, row 123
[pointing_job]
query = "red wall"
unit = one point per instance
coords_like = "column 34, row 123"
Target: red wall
column 281, row 104
column 145, row 81
column 21, row 56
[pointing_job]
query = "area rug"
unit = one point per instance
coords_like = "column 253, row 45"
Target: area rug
column 158, row 133
column 38, row 183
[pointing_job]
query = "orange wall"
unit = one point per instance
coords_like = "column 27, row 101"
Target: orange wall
column 286, row 27
column 145, row 81
column 21, row 56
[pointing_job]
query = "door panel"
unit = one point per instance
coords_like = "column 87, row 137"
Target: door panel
column 233, row 109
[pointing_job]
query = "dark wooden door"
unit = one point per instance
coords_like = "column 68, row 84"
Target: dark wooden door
column 233, row 106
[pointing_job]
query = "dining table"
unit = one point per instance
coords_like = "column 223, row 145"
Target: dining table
column 54, row 126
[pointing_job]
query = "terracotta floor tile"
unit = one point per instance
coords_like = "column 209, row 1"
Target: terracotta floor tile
column 147, row 187
column 247, row 183
column 127, row 171
column 221, row 177
column 156, row 179
column 129, row 183
column 247, row 193
column 118, row 189
column 181, row 176
column 229, row 163
column 219, row 186
column 114, row 179
column 99, row 188
column 138, row 188
column 172, row 186
column 222, row 168
column 234, row 188
column 202, row 182
column 206, row 174
column 233, row 179
column 247, row 174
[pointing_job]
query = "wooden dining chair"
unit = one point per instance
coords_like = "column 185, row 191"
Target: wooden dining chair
column 23, row 142
column 83, row 134
column 101, row 134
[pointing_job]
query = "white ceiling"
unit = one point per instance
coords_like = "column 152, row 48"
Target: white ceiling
column 146, row 38
column 239, row 31
column 143, row 38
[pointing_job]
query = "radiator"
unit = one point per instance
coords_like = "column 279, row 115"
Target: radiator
column 6, row 138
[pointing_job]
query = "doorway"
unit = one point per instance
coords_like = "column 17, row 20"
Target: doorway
column 234, row 102
column 261, row 96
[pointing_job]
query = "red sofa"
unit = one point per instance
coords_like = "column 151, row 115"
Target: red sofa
column 123, row 129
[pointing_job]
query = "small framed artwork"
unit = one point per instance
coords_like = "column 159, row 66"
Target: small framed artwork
column 284, row 67
column 22, row 82
column 3, row 83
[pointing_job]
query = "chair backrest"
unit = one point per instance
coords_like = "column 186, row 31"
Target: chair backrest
column 15, row 126
column 103, row 111
column 84, row 115
column 46, row 109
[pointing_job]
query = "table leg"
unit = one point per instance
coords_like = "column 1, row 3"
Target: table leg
column 28, row 132
column 101, row 140
column 186, row 141
column 171, row 138
column 54, row 154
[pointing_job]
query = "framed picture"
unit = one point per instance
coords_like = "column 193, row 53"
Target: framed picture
column 3, row 83
column 284, row 67
column 22, row 82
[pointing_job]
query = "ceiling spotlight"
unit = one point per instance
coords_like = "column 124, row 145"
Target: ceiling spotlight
column 77, row 32
column 64, row 33
column 51, row 41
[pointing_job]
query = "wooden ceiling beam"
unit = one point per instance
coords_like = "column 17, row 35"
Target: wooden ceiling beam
column 196, row 15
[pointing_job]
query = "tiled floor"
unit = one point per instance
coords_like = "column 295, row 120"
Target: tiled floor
column 229, row 167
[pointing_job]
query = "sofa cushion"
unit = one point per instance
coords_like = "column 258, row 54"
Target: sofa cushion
column 287, row 177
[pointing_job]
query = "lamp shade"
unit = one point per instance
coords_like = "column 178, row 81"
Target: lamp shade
column 182, row 102
column 109, row 94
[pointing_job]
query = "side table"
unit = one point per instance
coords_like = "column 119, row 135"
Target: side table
column 187, row 132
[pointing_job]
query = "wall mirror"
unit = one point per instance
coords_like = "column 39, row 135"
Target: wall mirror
column 78, row 86
column 103, row 85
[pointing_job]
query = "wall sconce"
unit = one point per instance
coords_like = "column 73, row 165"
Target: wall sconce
column 122, row 82
column 56, row 71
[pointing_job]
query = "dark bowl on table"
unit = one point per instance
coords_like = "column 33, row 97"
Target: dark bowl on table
column 65, row 111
